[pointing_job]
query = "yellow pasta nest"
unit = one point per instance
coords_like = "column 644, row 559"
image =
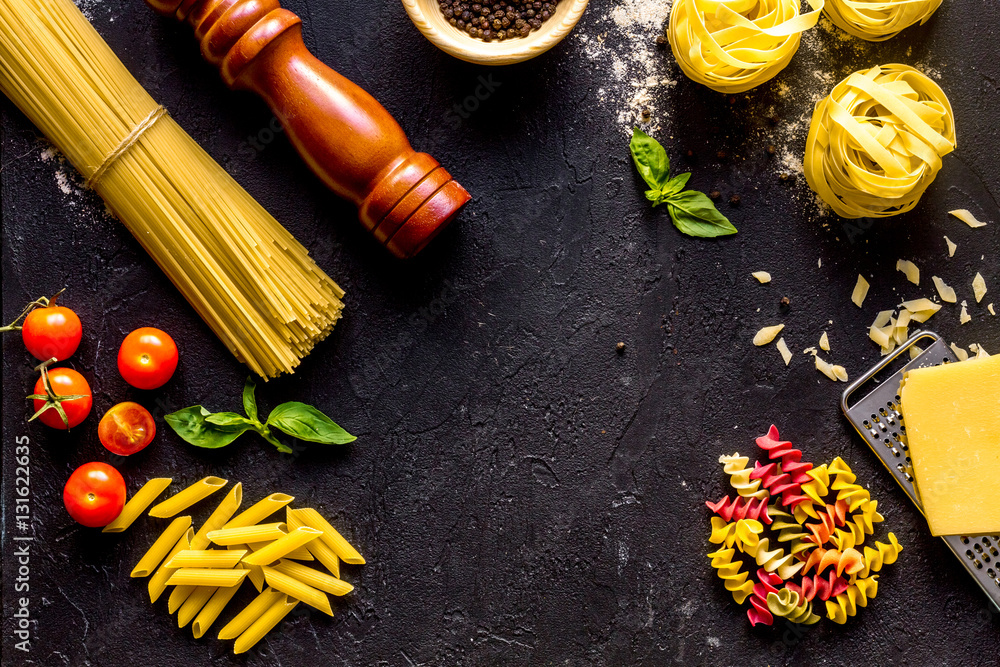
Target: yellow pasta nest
column 878, row 20
column 876, row 142
column 734, row 45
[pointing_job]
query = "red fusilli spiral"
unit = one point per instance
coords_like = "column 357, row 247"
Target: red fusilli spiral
column 732, row 509
column 758, row 611
column 791, row 464
column 821, row 587
column 833, row 517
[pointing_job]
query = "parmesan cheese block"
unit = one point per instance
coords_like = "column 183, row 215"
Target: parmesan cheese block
column 952, row 417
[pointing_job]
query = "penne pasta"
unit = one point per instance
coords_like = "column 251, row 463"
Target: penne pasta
column 259, row 510
column 178, row 596
column 325, row 555
column 198, row 598
column 333, row 539
column 270, row 618
column 158, row 551
column 210, row 612
column 186, row 497
column 137, row 504
column 226, row 509
column 263, row 532
column 283, row 546
column 203, row 576
column 158, row 582
column 301, row 553
column 291, row 586
column 250, row 613
column 222, row 558
column 314, row 578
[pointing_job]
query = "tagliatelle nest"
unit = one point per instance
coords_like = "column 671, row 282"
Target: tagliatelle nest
column 878, row 20
column 876, row 142
column 736, row 45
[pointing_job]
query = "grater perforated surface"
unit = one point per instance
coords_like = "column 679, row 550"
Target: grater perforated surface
column 877, row 417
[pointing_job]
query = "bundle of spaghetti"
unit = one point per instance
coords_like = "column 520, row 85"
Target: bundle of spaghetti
column 875, row 143
column 787, row 603
column 739, row 476
column 789, row 531
column 730, row 572
column 776, row 560
column 857, row 595
column 878, row 20
column 246, row 276
column 819, row 586
column 758, row 611
column 882, row 554
column 740, row 508
column 849, row 561
column 829, row 519
column 733, row 46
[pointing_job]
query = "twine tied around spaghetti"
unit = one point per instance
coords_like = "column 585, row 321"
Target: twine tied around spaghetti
column 130, row 140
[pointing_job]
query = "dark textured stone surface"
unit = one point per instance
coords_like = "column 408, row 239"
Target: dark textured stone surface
column 523, row 493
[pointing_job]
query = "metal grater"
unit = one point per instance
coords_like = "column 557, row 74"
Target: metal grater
column 877, row 418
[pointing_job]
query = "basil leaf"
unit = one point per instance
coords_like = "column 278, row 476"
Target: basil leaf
column 655, row 196
column 694, row 214
column 307, row 423
column 192, row 426
column 676, row 184
column 249, row 401
column 267, row 435
column 650, row 159
column 228, row 419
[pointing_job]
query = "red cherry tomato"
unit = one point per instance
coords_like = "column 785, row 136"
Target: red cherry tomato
column 126, row 428
column 94, row 494
column 147, row 358
column 53, row 331
column 65, row 382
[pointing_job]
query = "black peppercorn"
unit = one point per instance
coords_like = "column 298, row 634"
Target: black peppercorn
column 734, row 200
column 714, row 194
column 721, row 155
column 620, row 347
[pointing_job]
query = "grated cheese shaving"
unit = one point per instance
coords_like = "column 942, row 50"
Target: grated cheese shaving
column 947, row 294
column 981, row 353
column 810, row 350
column 979, row 287
column 841, row 373
column 964, row 318
column 966, row 217
column 767, row 334
column 786, row 354
column 921, row 310
column 860, row 291
column 824, row 342
column 762, row 276
column 881, row 331
column 915, row 351
column 952, row 247
column 910, row 269
column 901, row 327
column 959, row 352
column 990, row 308
column 825, row 368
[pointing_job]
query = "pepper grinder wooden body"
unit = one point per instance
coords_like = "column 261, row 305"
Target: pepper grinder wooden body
column 345, row 136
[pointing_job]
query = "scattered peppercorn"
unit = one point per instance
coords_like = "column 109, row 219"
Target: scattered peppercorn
column 497, row 19
column 771, row 150
column 732, row 100
column 620, row 347
column 784, row 176
column 734, row 200
column 714, row 194
column 689, row 153
column 785, row 303
column 662, row 40
column 646, row 115
column 773, row 119
column 721, row 155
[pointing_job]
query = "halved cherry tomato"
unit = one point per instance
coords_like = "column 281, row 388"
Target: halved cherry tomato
column 147, row 358
column 53, row 331
column 126, row 428
column 94, row 494
column 65, row 382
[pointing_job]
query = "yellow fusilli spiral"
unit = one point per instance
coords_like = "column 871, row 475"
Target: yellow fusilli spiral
column 729, row 571
column 786, row 603
column 786, row 565
column 739, row 476
column 882, row 554
column 789, row 530
column 878, row 20
column 876, row 142
column 845, row 486
column 733, row 45
column 857, row 595
column 848, row 537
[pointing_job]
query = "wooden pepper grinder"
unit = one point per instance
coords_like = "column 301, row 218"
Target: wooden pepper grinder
column 345, row 136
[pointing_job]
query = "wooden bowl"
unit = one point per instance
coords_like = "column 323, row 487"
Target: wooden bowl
column 427, row 16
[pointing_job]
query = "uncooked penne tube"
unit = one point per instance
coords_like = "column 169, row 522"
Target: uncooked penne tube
column 335, row 540
column 156, row 553
column 158, row 582
column 291, row 586
column 282, row 546
column 198, row 598
column 179, row 595
column 223, row 558
column 250, row 613
column 220, row 516
column 137, row 504
column 204, row 576
column 302, row 553
column 245, row 534
column 314, row 578
column 260, row 510
column 210, row 612
column 325, row 555
column 184, row 498
column 270, row 618
column 256, row 577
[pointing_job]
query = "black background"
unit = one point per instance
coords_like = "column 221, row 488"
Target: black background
column 523, row 493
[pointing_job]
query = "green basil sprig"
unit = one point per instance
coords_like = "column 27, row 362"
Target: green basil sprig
column 692, row 212
column 212, row 430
